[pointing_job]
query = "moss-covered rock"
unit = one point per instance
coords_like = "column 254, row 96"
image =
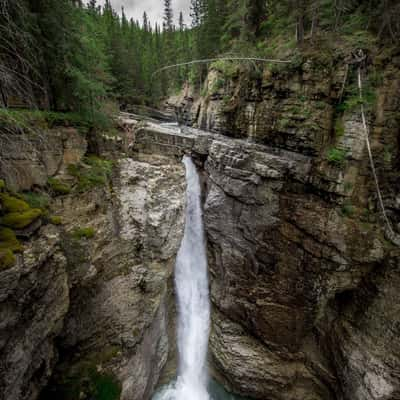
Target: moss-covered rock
column 7, row 259
column 20, row 220
column 8, row 240
column 58, row 187
column 80, row 233
column 13, row 204
column 55, row 220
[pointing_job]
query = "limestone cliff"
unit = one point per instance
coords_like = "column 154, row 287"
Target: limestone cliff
column 302, row 276
column 93, row 292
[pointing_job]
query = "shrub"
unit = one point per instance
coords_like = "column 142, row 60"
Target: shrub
column 8, row 240
column 80, row 233
column 7, row 259
column 25, row 119
column 58, row 187
column 36, row 200
column 218, row 84
column 94, row 172
column 347, row 209
column 228, row 68
column 13, row 204
column 336, row 156
column 20, row 220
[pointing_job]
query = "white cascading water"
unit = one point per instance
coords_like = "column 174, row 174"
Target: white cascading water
column 191, row 282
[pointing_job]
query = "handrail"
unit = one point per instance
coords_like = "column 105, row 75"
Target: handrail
column 208, row 60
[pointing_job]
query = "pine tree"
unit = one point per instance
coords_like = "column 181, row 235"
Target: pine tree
column 168, row 16
column 145, row 22
column 181, row 22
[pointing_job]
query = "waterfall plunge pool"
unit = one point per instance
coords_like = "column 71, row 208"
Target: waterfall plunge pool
column 215, row 391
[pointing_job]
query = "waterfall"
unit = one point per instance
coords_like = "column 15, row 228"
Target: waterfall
column 191, row 283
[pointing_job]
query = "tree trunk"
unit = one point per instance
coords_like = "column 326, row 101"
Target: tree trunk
column 300, row 28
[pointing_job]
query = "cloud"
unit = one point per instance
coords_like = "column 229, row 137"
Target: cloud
column 154, row 9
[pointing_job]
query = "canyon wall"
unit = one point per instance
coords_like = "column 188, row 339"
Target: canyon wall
column 74, row 304
column 304, row 277
column 302, row 274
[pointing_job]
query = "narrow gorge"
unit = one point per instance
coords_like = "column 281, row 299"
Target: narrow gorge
column 232, row 244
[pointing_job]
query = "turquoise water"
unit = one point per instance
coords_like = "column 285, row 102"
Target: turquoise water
column 215, row 390
column 218, row 392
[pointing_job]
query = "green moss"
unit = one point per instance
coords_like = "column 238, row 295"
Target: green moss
column 336, row 156
column 7, row 259
column 20, row 220
column 105, row 387
column 217, row 85
column 93, row 172
column 347, row 209
column 37, row 200
column 86, row 383
column 8, row 240
column 58, row 187
column 55, row 220
column 80, row 233
column 352, row 100
column 2, row 185
column 13, row 204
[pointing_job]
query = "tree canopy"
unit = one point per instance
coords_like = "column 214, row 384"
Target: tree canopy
column 69, row 56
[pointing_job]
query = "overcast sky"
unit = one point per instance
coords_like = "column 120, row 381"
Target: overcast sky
column 154, row 9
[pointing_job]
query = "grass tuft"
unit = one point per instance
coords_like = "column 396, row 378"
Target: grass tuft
column 93, row 172
column 7, row 259
column 336, row 157
column 58, row 187
column 83, row 233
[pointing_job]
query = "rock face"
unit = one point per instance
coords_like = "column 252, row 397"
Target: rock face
column 101, row 301
column 28, row 159
column 120, row 278
column 34, row 299
column 302, row 277
column 278, row 256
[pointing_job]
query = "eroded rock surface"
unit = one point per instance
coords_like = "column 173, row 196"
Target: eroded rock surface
column 34, row 299
column 30, row 158
column 301, row 270
column 120, row 278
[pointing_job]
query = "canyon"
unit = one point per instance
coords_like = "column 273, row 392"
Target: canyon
column 304, row 279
